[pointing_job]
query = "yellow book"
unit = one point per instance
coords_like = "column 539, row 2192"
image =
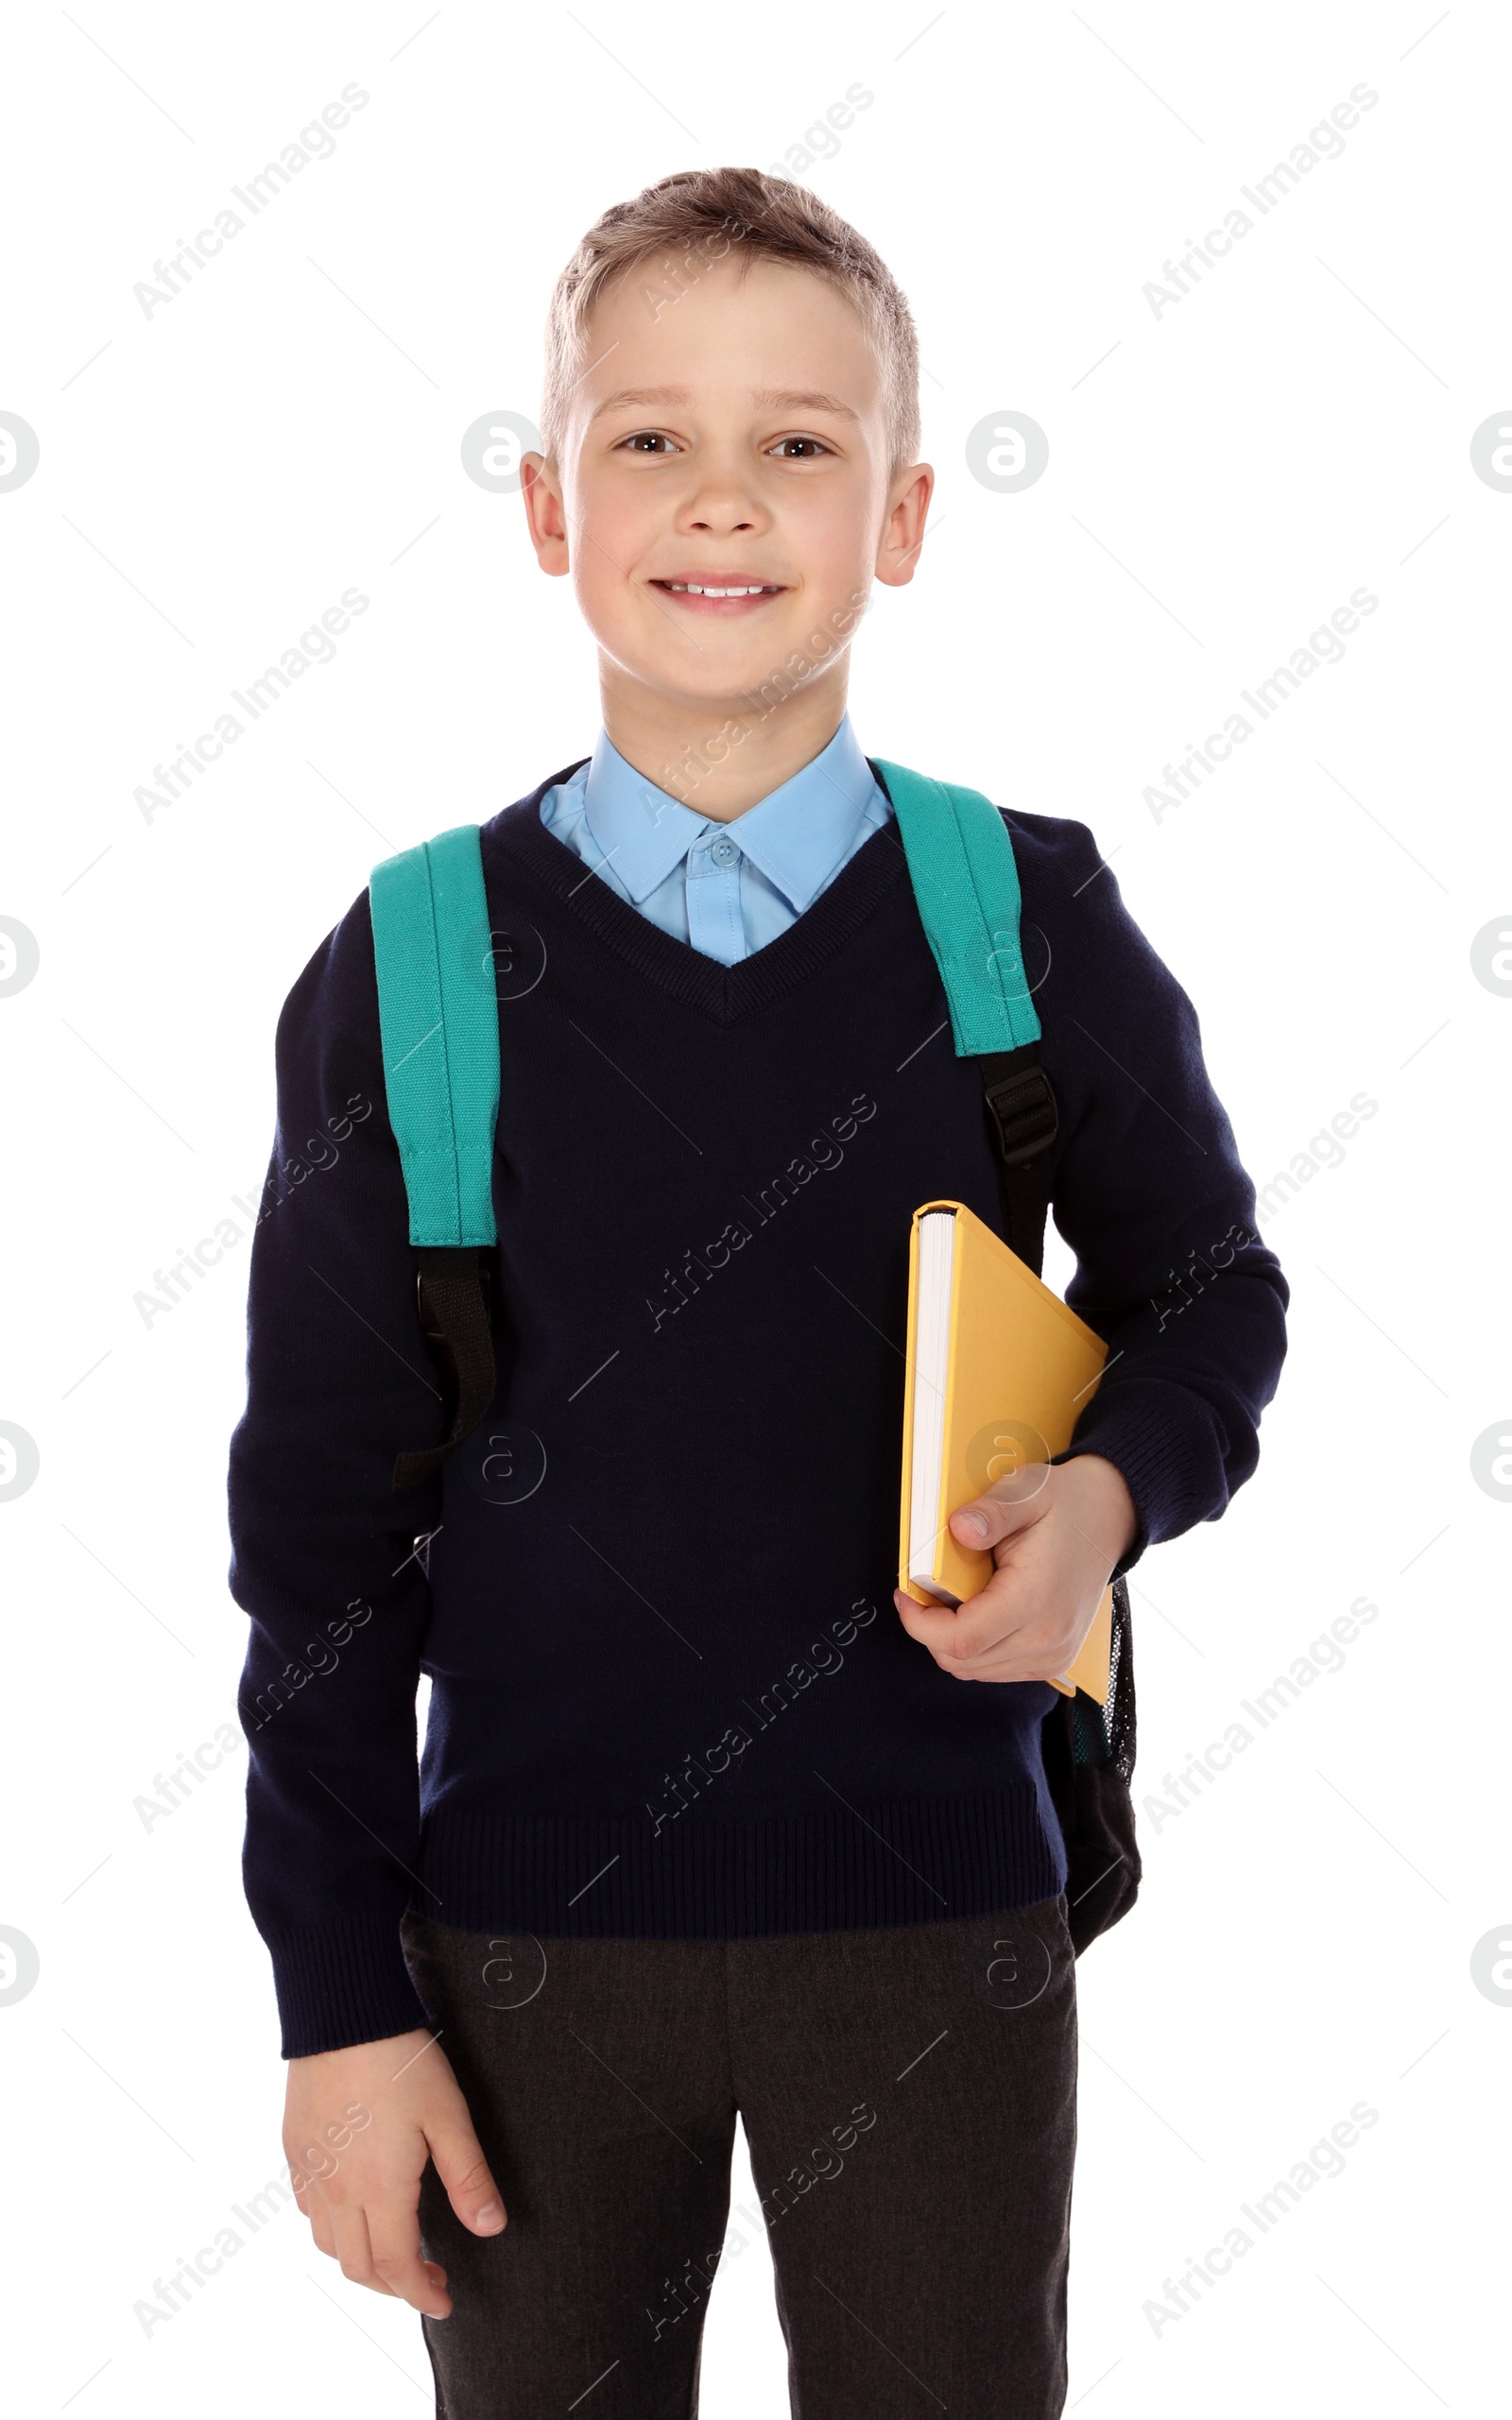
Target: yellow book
column 998, row 1371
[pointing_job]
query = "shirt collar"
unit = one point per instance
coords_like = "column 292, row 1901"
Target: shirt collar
column 796, row 834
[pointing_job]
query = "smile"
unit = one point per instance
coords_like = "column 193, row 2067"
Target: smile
column 725, row 594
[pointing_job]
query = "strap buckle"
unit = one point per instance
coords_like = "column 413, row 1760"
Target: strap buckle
column 1025, row 1112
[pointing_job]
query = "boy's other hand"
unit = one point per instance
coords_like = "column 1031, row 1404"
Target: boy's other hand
column 1056, row 1531
column 359, row 2127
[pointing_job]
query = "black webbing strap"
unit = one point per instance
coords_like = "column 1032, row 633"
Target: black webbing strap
column 1022, row 1115
column 452, row 1286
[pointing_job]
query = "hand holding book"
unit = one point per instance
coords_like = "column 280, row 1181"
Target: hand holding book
column 998, row 1371
column 1054, row 1533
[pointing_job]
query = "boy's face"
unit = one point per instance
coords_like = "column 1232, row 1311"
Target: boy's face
column 733, row 435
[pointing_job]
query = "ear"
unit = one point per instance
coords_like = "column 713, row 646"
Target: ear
column 546, row 513
column 903, row 531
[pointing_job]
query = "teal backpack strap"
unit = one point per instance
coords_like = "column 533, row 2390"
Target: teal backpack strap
column 438, row 1020
column 439, row 1015
column 966, row 887
column 965, row 884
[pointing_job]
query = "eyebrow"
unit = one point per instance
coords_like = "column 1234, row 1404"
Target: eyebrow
column 787, row 398
column 767, row 400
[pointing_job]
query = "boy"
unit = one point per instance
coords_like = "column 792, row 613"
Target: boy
column 711, row 1817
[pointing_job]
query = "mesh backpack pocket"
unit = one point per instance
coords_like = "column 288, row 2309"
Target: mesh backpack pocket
column 1089, row 1754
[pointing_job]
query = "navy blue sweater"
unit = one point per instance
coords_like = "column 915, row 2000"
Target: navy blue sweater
column 671, row 1694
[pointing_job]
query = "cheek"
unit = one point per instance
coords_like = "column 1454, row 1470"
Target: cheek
column 610, row 523
column 833, row 533
column 836, row 518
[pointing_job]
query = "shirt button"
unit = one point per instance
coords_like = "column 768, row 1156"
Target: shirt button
column 724, row 852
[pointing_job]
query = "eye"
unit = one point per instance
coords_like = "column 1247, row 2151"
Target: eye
column 816, row 445
column 646, row 441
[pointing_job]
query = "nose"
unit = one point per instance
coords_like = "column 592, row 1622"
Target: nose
column 729, row 514
column 720, row 503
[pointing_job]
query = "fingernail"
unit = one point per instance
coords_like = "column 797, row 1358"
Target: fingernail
column 491, row 2217
column 973, row 1522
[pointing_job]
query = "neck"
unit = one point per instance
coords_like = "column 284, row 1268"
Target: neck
column 721, row 756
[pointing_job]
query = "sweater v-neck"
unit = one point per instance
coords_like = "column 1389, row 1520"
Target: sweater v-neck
column 725, row 994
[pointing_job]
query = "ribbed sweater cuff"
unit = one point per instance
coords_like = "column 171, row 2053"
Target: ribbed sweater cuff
column 342, row 1982
column 1164, row 1445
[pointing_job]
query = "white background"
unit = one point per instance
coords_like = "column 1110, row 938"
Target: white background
column 1220, row 479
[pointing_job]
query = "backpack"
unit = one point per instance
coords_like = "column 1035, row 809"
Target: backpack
column 436, row 959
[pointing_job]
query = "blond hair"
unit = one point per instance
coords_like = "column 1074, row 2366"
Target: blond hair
column 687, row 222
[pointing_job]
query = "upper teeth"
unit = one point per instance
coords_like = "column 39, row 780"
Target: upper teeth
column 694, row 589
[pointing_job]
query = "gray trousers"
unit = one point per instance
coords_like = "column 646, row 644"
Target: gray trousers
column 909, row 2100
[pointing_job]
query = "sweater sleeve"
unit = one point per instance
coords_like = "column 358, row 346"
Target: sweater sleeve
column 1149, row 1192
column 324, row 1555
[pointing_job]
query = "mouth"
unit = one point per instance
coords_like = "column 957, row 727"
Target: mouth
column 723, row 594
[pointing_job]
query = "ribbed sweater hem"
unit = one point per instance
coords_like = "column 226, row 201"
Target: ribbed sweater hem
column 910, row 1861
column 906, row 1861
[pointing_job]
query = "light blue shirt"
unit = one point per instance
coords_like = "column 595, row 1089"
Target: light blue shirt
column 726, row 888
